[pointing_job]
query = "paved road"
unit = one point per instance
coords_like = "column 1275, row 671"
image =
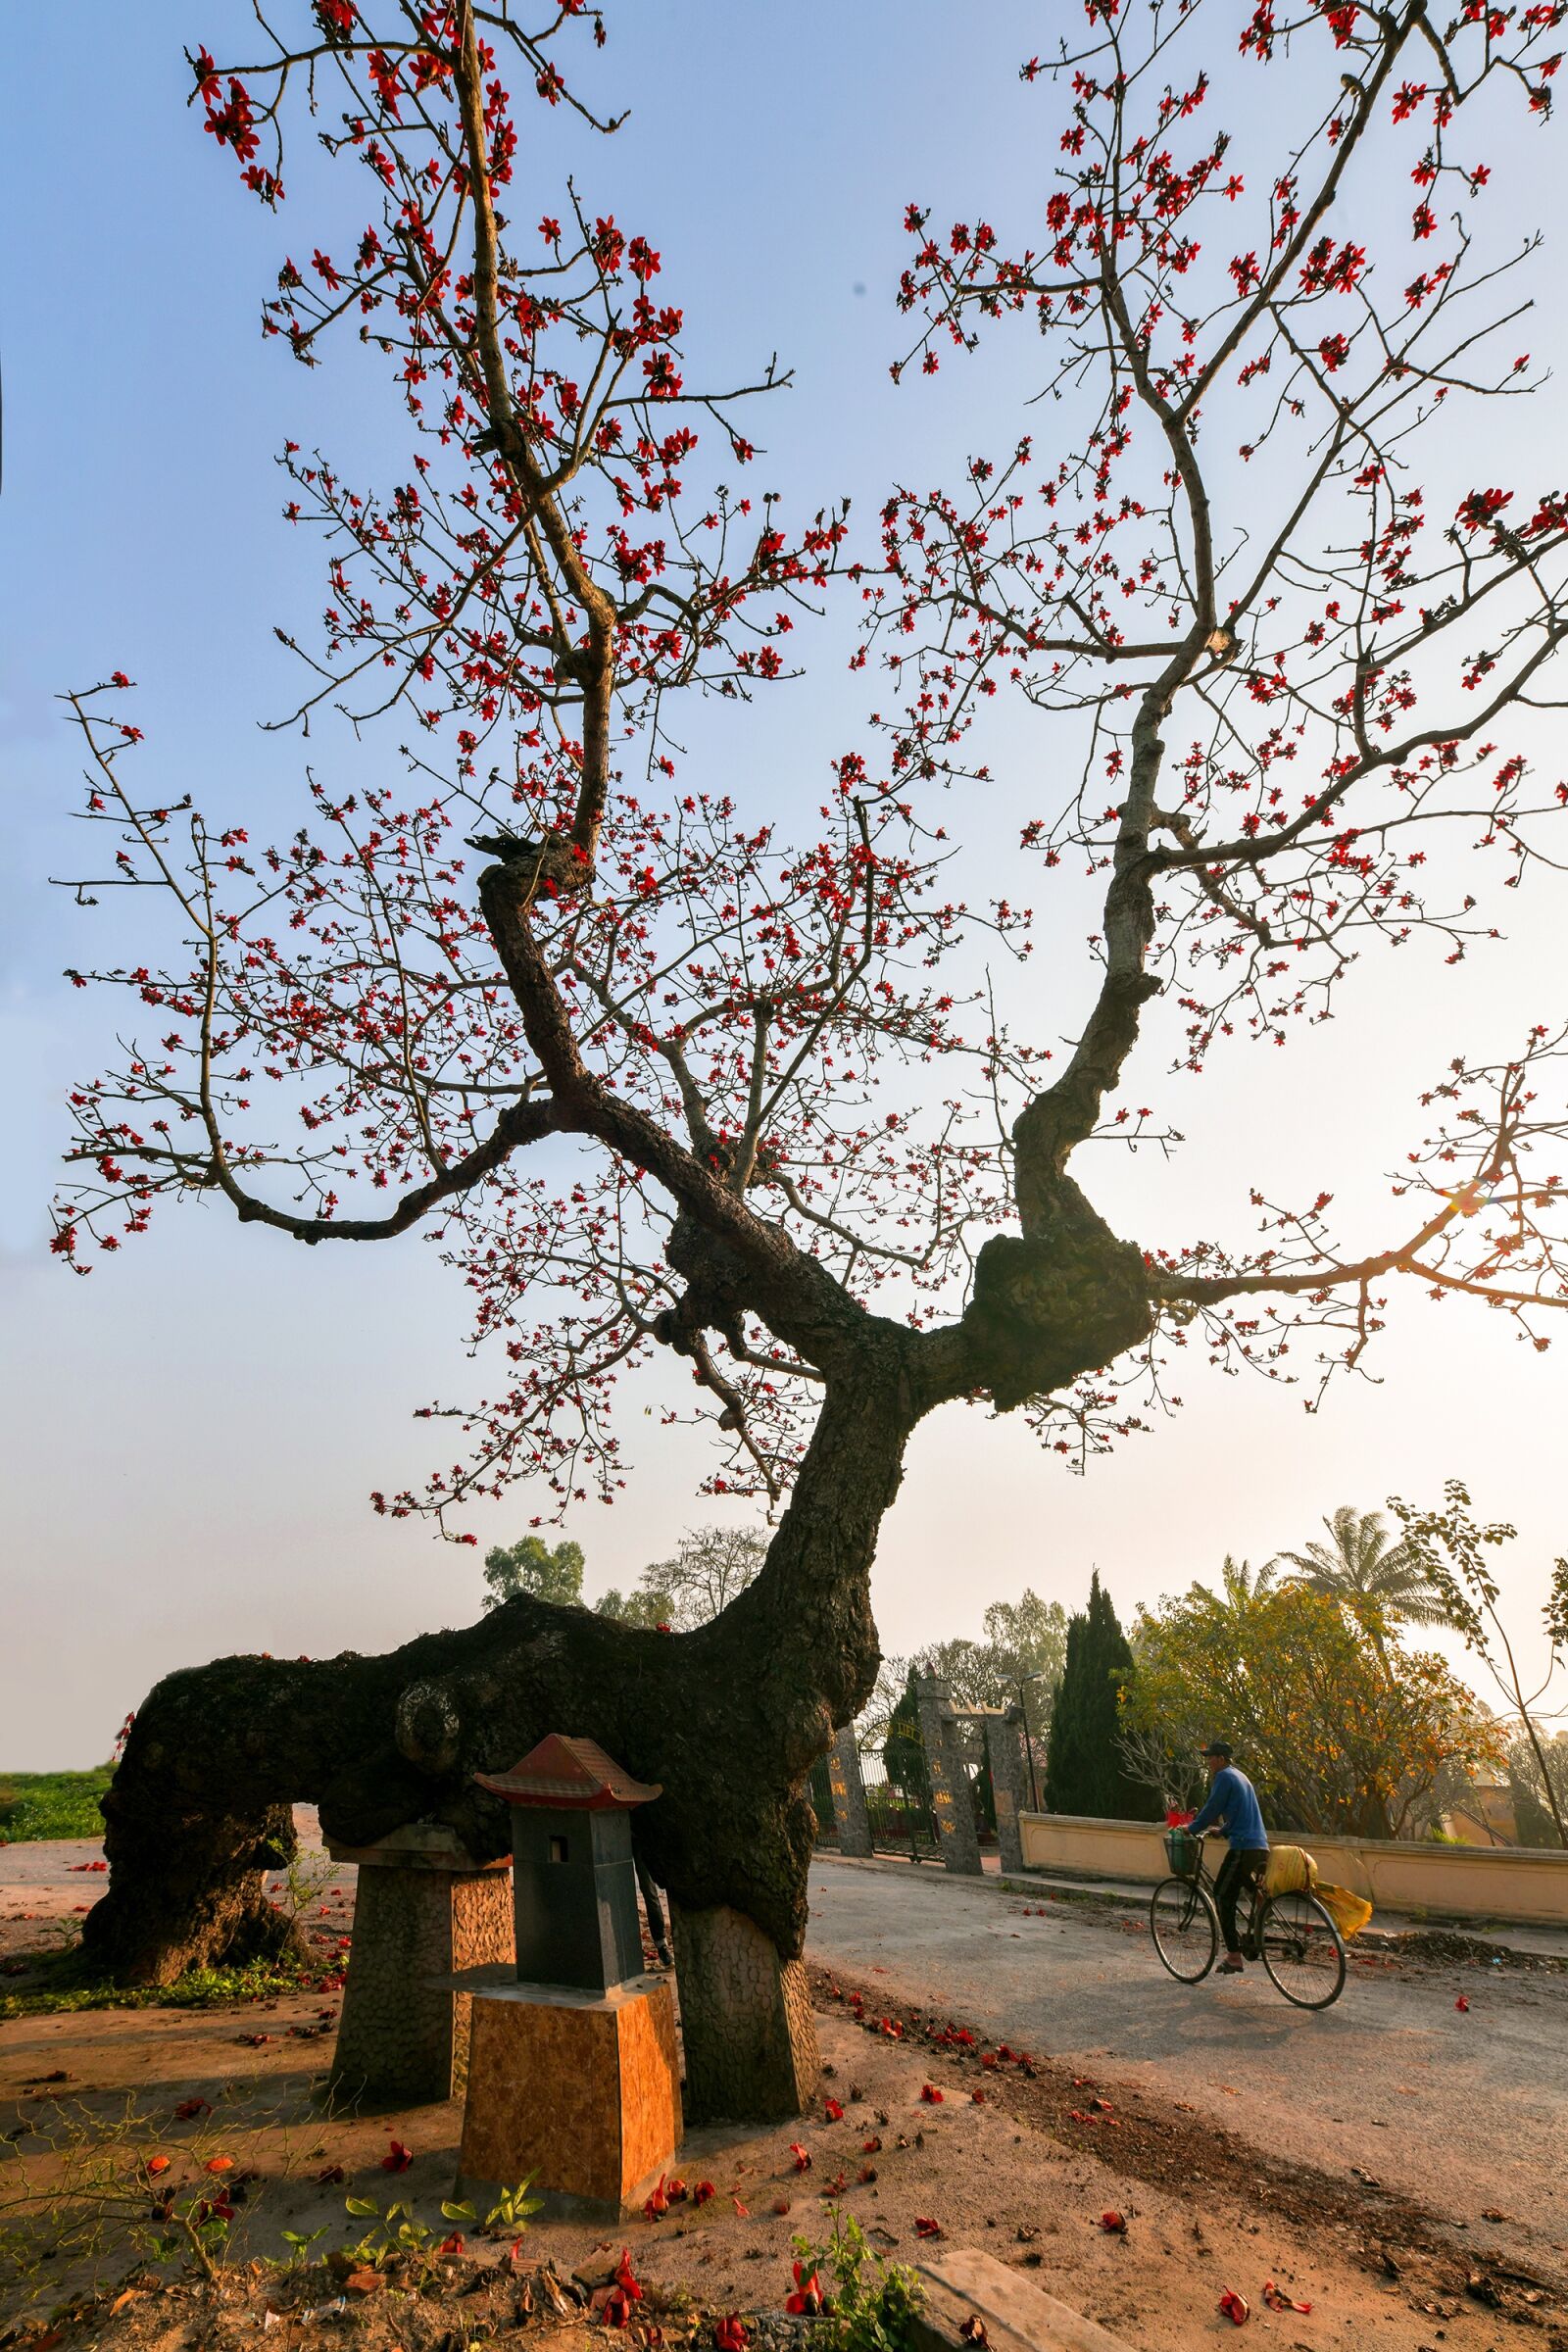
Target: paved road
column 1461, row 2110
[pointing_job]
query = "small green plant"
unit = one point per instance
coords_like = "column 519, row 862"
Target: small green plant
column 510, row 2214
column 300, row 2246
column 873, row 2300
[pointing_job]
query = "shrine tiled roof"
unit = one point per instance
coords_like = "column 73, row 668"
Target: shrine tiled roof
column 572, row 1773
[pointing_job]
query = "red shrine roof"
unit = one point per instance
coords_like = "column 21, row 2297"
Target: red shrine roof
column 574, row 1773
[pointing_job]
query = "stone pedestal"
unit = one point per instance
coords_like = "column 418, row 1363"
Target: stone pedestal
column 580, row 2090
column 425, row 1908
column 746, row 2021
column 849, row 1794
column 1005, row 1754
column 952, row 1804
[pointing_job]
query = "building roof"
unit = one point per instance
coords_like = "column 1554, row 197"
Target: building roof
column 572, row 1773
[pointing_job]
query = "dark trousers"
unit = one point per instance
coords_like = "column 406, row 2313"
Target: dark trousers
column 1242, row 1867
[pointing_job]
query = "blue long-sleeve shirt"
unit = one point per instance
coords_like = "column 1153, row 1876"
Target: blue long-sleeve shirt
column 1233, row 1803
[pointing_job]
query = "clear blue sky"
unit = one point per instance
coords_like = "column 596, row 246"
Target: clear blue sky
column 191, row 1434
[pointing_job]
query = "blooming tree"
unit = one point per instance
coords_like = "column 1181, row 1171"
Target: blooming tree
column 659, row 1078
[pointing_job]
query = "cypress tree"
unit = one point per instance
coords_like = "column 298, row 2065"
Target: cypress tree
column 1084, row 1770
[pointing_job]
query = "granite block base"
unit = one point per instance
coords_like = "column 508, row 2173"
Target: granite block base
column 425, row 1908
column 580, row 2091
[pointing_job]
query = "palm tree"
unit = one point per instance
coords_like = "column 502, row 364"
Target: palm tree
column 1361, row 1562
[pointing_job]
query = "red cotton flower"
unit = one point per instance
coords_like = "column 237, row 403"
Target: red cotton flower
column 1113, row 2224
column 1234, row 2307
column 833, row 2112
column 925, row 2226
column 1277, row 2300
column 625, row 2290
column 398, row 2158
column 801, row 2156
column 808, row 2295
column 731, row 2334
column 931, row 2095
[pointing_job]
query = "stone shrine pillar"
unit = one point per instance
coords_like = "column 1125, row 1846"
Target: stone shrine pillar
column 1005, row 1754
column 849, row 1794
column 424, row 1909
column 574, row 2081
column 952, row 1804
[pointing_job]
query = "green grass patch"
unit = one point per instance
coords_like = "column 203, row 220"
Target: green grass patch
column 63, row 1981
column 52, row 1804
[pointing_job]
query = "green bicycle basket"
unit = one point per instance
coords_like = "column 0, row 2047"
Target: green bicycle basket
column 1183, row 1851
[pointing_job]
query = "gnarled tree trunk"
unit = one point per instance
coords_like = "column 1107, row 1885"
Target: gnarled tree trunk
column 728, row 1719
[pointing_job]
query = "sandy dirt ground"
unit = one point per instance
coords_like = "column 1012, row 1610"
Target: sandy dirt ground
column 1136, row 2119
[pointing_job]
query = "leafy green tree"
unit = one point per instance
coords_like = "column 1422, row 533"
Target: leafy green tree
column 1027, row 1642
column 1362, row 1562
column 1338, row 1733
column 643, row 1606
column 1085, row 1770
column 531, row 1567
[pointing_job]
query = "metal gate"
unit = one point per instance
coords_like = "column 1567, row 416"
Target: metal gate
column 901, row 1816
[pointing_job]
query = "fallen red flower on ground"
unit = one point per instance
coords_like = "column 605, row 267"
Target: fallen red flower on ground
column 1234, row 2307
column 398, row 2158
column 1277, row 2300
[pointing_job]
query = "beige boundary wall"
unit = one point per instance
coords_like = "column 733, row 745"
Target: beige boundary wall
column 1451, row 1881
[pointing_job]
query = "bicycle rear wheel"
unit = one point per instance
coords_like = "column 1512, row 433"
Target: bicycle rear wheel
column 1186, row 1931
column 1302, row 1949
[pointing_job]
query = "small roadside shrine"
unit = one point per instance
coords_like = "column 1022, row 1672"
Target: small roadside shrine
column 574, row 2076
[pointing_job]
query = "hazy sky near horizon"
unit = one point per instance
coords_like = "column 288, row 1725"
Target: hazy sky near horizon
column 191, row 1435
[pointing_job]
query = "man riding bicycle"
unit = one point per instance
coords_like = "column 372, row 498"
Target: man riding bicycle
column 1232, row 1805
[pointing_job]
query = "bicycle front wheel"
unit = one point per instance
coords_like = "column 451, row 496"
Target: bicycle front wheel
column 1186, row 1931
column 1303, row 1951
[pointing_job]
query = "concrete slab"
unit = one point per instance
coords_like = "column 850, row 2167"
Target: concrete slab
column 1018, row 2316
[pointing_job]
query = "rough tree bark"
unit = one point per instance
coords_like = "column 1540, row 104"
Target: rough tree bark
column 728, row 1718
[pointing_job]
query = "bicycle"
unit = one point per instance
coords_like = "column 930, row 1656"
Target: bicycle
column 1302, row 1949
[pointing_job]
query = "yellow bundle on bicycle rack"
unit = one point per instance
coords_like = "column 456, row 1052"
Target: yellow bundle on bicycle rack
column 1347, row 1911
column 1290, row 1870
